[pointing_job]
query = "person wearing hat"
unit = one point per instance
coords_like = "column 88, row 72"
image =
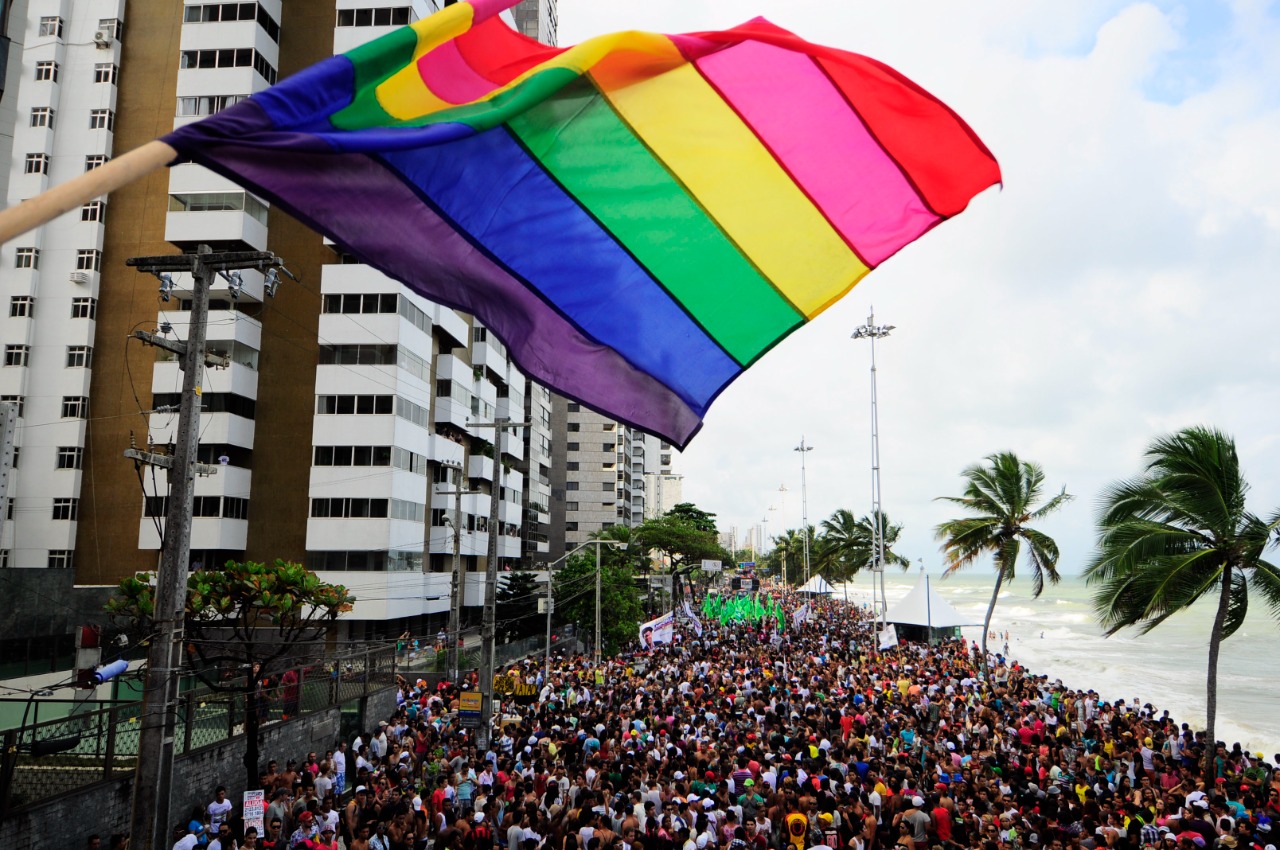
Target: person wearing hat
column 305, row 833
column 917, row 819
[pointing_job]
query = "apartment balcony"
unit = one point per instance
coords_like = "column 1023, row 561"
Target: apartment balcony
column 480, row 467
column 391, row 595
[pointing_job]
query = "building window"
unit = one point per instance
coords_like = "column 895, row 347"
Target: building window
column 66, row 509
column 358, row 405
column 207, row 104
column 221, row 12
column 609, row 447
column 344, row 508
column 75, row 406
column 70, row 457
column 358, row 355
column 94, row 211
column 479, row 334
column 395, row 16
column 229, row 57
column 572, row 466
column 574, row 407
column 47, row 72
column 352, row 456
column 219, row 202
column 95, row 161
column 234, row 507
column 16, row 355
column 571, row 485
column 60, row 559
column 233, row 403
column 575, row 426
column 37, row 163
column 570, row 526
column 606, row 485
column 570, row 506
column 79, row 357
column 573, row 447
column 19, row 401
column 361, row 303
column 106, row 72
column 102, row 119
column 42, row 116
column 51, row 26
column 84, row 308
column 89, row 260
column 22, row 306
column 27, row 258
column 113, row 27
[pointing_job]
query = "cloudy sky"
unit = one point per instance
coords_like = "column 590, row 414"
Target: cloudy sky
column 1122, row 284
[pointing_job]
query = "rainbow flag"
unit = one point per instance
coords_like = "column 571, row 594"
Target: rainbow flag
column 639, row 218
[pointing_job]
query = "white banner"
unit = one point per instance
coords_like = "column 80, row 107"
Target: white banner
column 800, row 614
column 889, row 637
column 255, row 806
column 712, row 566
column 694, row 622
column 659, row 631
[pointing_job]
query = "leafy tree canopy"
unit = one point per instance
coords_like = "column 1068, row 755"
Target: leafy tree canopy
column 241, row 623
column 574, row 589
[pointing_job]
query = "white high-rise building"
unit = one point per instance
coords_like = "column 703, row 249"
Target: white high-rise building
column 59, row 102
column 348, row 400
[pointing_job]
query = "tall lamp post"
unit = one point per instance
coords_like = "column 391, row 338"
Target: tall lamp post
column 617, row 544
column 804, row 504
column 872, row 331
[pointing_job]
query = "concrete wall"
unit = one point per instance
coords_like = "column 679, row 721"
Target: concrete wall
column 103, row 808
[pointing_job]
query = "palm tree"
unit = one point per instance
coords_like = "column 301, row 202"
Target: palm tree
column 788, row 550
column 1001, row 495
column 1176, row 533
column 846, row 545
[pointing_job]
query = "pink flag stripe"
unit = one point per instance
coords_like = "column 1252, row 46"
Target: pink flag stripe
column 450, row 78
column 809, row 127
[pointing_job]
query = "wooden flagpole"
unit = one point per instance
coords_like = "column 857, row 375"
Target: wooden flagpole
column 52, row 203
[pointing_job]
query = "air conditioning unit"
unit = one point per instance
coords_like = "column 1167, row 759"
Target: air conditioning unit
column 102, row 38
column 80, row 277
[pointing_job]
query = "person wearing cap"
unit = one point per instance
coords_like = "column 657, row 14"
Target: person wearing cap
column 917, row 819
column 306, row 831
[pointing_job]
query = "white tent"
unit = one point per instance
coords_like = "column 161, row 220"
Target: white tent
column 817, row 584
column 924, row 606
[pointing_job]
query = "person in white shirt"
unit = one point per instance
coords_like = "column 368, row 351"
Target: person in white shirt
column 219, row 809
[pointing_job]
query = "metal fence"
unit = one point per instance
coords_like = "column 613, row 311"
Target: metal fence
column 54, row 757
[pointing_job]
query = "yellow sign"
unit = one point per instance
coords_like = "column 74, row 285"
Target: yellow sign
column 469, row 701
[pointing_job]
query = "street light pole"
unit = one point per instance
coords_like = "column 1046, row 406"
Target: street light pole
column 550, row 596
column 872, row 331
column 488, row 622
column 804, row 504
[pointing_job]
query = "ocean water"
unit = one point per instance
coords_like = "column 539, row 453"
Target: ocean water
column 1058, row 636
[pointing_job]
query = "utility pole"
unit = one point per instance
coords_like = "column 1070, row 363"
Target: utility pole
column 455, row 584
column 488, row 624
column 8, row 430
column 153, row 781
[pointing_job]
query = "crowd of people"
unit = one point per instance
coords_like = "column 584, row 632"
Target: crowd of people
column 756, row 737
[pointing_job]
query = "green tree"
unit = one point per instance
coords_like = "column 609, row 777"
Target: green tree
column 679, row 542
column 1176, row 533
column 241, row 624
column 846, row 545
column 517, row 606
column 690, row 514
column 787, row 556
column 574, row 589
column 1000, row 497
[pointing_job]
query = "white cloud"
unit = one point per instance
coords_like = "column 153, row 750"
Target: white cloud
column 1122, row 284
